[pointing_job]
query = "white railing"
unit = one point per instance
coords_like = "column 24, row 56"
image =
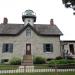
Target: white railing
column 29, row 69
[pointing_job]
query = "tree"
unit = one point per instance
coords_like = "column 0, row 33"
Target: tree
column 69, row 4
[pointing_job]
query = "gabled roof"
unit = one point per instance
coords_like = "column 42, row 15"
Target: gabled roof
column 40, row 29
column 46, row 29
column 10, row 29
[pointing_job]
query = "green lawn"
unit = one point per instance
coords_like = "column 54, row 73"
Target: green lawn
column 8, row 67
column 41, row 66
column 45, row 73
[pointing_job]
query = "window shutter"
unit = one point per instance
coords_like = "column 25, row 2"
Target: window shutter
column 10, row 47
column 51, row 47
column 44, row 47
column 4, row 48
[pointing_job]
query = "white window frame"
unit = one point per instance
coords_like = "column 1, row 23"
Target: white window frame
column 45, row 48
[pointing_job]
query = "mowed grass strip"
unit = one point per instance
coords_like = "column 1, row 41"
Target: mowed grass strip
column 8, row 67
column 44, row 73
column 41, row 66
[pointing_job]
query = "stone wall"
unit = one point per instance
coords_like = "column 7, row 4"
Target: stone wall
column 19, row 45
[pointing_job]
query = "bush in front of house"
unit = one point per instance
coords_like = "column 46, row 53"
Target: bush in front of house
column 53, row 62
column 61, row 62
column 71, row 61
column 15, row 61
column 70, row 57
column 58, row 58
column 49, row 59
column 39, row 60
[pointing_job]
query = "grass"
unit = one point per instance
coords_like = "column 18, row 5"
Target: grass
column 44, row 73
column 8, row 67
column 41, row 66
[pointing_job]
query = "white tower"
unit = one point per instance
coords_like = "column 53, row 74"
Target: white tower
column 28, row 17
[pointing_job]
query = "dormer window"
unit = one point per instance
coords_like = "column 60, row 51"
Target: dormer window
column 28, row 32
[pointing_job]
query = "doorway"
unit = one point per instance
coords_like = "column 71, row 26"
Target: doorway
column 28, row 49
column 71, row 46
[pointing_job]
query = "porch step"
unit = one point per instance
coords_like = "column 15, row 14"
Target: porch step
column 27, row 57
column 27, row 60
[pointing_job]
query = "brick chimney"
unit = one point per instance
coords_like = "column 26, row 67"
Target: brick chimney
column 5, row 20
column 51, row 22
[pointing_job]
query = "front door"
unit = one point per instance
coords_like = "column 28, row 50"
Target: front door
column 28, row 49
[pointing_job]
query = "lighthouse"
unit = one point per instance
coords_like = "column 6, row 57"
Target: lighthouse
column 29, row 17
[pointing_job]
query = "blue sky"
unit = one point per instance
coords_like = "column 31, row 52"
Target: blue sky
column 45, row 10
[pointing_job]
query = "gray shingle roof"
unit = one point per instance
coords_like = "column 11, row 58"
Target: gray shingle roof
column 48, row 29
column 41, row 29
column 10, row 29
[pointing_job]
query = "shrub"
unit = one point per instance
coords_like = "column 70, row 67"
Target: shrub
column 39, row 60
column 62, row 61
column 58, row 58
column 52, row 62
column 70, row 57
column 49, row 59
column 71, row 61
column 15, row 61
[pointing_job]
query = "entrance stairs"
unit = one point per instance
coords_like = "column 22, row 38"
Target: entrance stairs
column 27, row 60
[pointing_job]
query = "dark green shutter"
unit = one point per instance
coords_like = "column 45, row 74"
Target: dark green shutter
column 51, row 47
column 44, row 47
column 4, row 48
column 10, row 47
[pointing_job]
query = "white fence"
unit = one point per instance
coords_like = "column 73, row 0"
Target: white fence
column 29, row 69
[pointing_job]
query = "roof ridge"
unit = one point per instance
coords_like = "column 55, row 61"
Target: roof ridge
column 15, row 29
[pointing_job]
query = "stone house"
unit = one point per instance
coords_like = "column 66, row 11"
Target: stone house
column 27, row 40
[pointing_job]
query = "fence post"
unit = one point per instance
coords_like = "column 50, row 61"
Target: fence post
column 24, row 68
column 56, row 72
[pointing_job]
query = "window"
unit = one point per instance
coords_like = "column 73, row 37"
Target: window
column 7, row 47
column 28, row 32
column 48, row 47
column 4, row 60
